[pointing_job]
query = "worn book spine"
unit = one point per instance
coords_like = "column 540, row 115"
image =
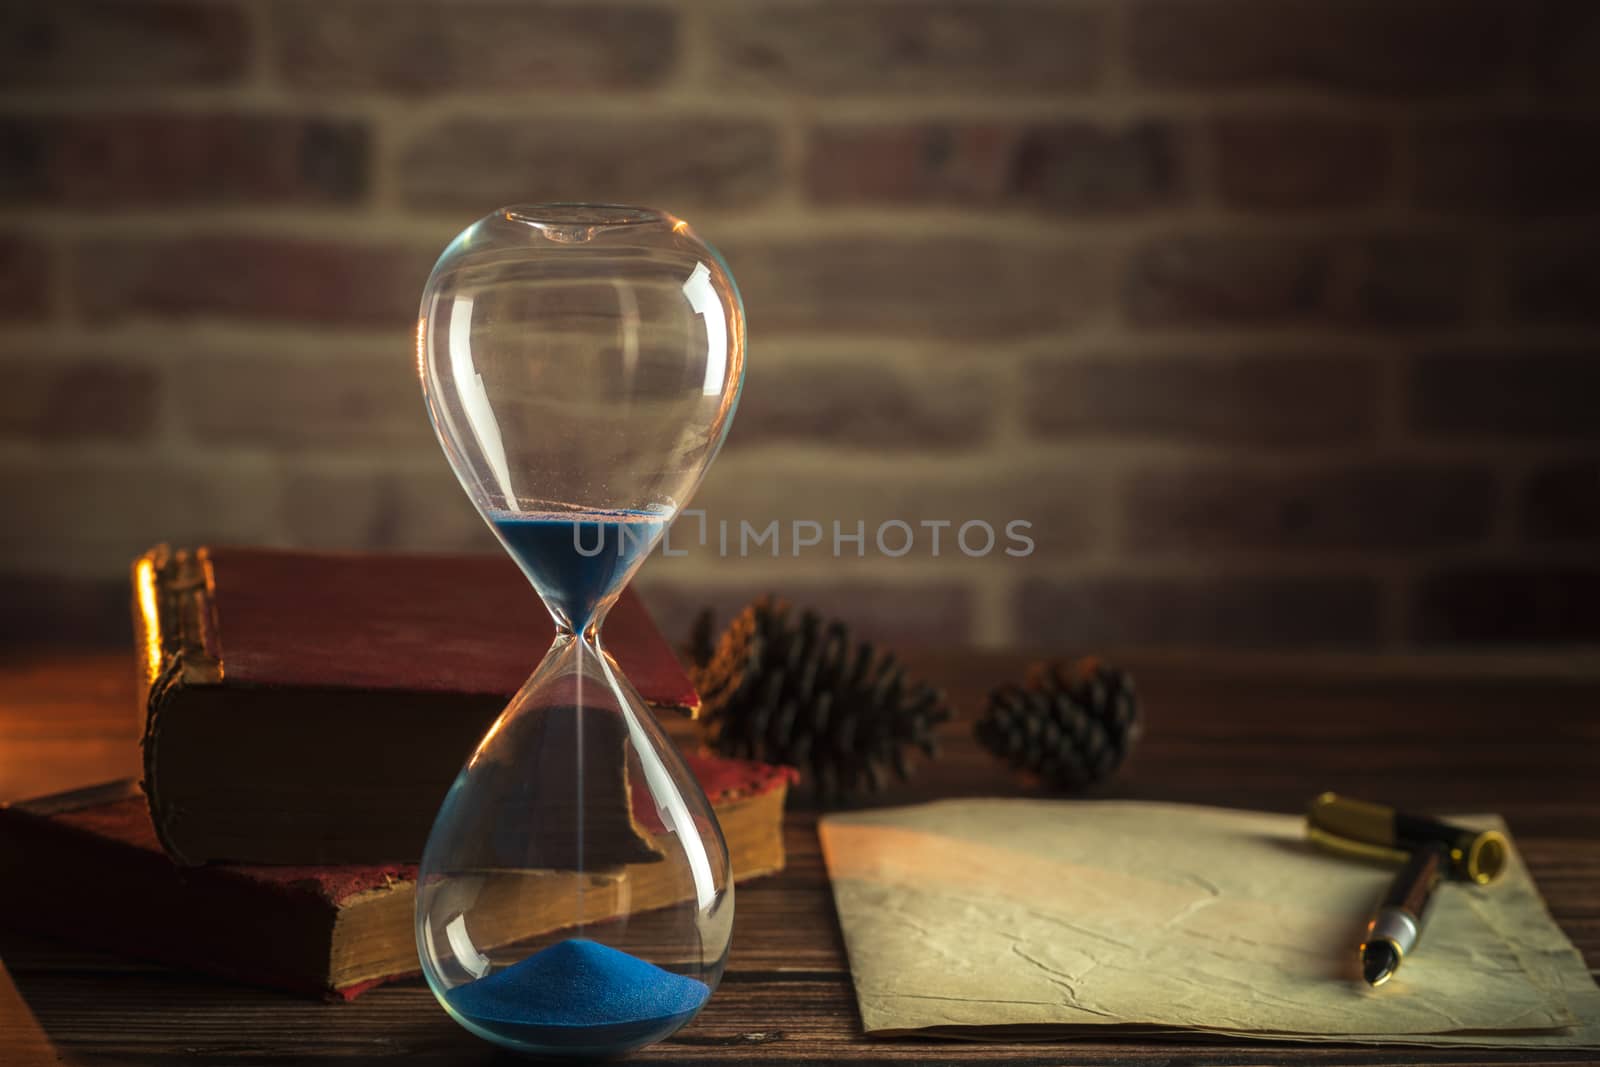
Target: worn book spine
column 175, row 633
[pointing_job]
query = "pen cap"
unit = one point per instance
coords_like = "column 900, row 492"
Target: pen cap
column 1475, row 855
column 1352, row 848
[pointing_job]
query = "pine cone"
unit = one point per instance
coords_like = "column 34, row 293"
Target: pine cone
column 701, row 645
column 799, row 692
column 1072, row 724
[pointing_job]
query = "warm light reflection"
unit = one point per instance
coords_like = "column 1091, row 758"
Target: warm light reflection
column 422, row 349
column 144, row 582
column 735, row 369
column 680, row 226
column 488, row 739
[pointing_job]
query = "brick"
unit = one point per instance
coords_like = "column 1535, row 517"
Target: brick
column 92, row 44
column 1239, row 611
column 854, row 401
column 1391, row 47
column 1214, row 279
column 1366, row 507
column 939, row 46
column 296, row 403
column 436, row 45
column 900, row 615
column 1520, row 167
column 421, row 510
column 1300, row 162
column 1392, row 281
column 1248, row 400
column 56, row 499
column 1063, row 166
column 1507, row 604
column 1506, row 394
column 1408, row 281
column 1561, row 503
column 1566, row 54
column 38, row 608
column 1068, row 517
column 131, row 160
column 96, row 515
column 250, row 277
column 25, row 268
column 1555, row 282
column 954, row 287
column 470, row 162
column 59, row 400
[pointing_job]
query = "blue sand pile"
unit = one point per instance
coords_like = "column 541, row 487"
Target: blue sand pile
column 577, row 995
column 548, row 548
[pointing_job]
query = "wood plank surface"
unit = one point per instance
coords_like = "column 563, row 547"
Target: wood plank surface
column 1262, row 734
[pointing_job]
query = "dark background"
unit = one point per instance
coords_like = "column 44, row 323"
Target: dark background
column 1277, row 318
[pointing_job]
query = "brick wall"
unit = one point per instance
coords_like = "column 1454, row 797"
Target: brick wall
column 1277, row 318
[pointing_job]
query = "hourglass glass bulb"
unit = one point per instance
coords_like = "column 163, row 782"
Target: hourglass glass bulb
column 581, row 364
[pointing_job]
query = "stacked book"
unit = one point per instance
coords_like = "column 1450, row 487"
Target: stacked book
column 304, row 715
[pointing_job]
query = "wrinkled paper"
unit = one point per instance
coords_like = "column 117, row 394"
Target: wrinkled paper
column 1028, row 918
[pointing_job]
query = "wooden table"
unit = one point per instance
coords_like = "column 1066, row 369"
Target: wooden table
column 1263, row 735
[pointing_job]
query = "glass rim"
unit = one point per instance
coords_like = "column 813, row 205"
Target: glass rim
column 577, row 213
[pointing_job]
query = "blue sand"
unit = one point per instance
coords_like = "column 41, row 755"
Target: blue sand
column 577, row 559
column 579, row 996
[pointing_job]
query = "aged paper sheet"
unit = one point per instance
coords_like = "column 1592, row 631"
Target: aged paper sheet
column 1036, row 916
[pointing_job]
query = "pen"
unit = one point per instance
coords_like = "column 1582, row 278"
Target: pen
column 1397, row 925
column 1341, row 824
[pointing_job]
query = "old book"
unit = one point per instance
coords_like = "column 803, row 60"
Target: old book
column 313, row 708
column 86, row 866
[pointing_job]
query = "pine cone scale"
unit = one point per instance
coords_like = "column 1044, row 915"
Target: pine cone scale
column 1071, row 725
column 799, row 691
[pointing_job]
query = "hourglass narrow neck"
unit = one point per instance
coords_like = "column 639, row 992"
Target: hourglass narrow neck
column 579, row 560
column 589, row 634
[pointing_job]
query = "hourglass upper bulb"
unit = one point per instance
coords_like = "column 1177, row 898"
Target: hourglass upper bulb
column 581, row 364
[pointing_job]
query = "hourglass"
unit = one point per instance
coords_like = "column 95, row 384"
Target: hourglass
column 581, row 364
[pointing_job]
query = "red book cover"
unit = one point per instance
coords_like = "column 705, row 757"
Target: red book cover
column 306, row 707
column 87, row 866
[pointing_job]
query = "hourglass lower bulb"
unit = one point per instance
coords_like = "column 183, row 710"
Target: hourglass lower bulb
column 581, row 364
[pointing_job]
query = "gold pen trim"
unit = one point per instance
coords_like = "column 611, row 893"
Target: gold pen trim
column 1383, row 977
column 1345, row 846
column 1487, row 857
column 1356, row 820
column 1353, row 827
